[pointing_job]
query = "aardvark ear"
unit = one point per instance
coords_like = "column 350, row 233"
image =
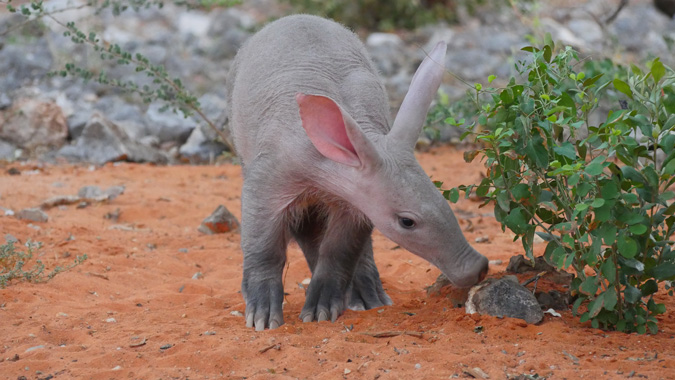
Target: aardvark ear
column 423, row 87
column 333, row 131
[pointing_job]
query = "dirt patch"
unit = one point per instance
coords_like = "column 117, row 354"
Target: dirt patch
column 158, row 299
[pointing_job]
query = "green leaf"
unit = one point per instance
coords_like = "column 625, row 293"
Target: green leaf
column 581, row 206
column 608, row 270
column 627, row 246
column 588, row 82
column 596, row 305
column 566, row 150
column 517, row 222
column 658, row 70
column 609, row 190
column 669, row 169
column 648, row 288
column 453, row 195
column 547, row 53
column 598, row 202
column 521, row 192
column 595, row 167
column 664, row 272
column 589, row 287
column 491, row 78
column 610, row 299
column 638, row 229
column 632, row 294
column 623, row 87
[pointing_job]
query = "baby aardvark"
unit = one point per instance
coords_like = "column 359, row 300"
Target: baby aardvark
column 323, row 165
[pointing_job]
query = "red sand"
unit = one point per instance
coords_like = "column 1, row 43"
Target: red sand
column 137, row 286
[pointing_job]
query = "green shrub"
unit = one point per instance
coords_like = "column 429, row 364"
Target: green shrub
column 599, row 194
column 13, row 265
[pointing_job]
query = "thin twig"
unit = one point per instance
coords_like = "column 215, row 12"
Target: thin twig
column 611, row 18
column 276, row 346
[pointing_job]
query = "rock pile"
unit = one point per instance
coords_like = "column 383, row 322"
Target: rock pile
column 50, row 117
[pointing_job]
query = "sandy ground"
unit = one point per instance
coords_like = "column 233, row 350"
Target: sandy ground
column 136, row 310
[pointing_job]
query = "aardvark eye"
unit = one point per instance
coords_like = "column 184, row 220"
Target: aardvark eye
column 406, row 223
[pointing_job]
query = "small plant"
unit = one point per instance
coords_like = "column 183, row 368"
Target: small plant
column 13, row 265
column 600, row 194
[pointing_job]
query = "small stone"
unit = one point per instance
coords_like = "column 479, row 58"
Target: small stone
column 32, row 214
column 236, row 313
column 165, row 347
column 111, row 320
column 61, row 314
column 197, row 276
column 476, row 373
column 483, row 239
column 306, row 282
column 114, row 191
column 59, row 200
column 347, row 371
column 117, row 368
column 504, row 298
column 220, row 221
column 183, row 250
column 90, row 192
column 209, row 333
column 418, row 366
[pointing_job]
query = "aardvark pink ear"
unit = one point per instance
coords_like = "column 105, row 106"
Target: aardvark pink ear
column 332, row 130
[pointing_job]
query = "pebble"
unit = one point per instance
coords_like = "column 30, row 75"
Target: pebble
column 32, row 214
column 111, row 320
column 236, row 313
column 220, row 221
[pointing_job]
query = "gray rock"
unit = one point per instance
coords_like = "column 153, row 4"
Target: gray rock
column 167, row 125
column 32, row 214
column 32, row 123
column 198, row 148
column 5, row 101
column 204, row 144
column 474, row 64
column 504, row 298
column 90, row 192
column 220, row 221
column 117, row 110
column 388, row 53
column 587, row 29
column 639, row 28
column 104, row 141
column 229, row 29
column 23, row 63
column 7, row 151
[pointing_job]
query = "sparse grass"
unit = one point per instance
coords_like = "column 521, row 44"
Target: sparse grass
column 13, row 265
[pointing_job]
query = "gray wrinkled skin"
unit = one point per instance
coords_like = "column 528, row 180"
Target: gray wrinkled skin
column 323, row 165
